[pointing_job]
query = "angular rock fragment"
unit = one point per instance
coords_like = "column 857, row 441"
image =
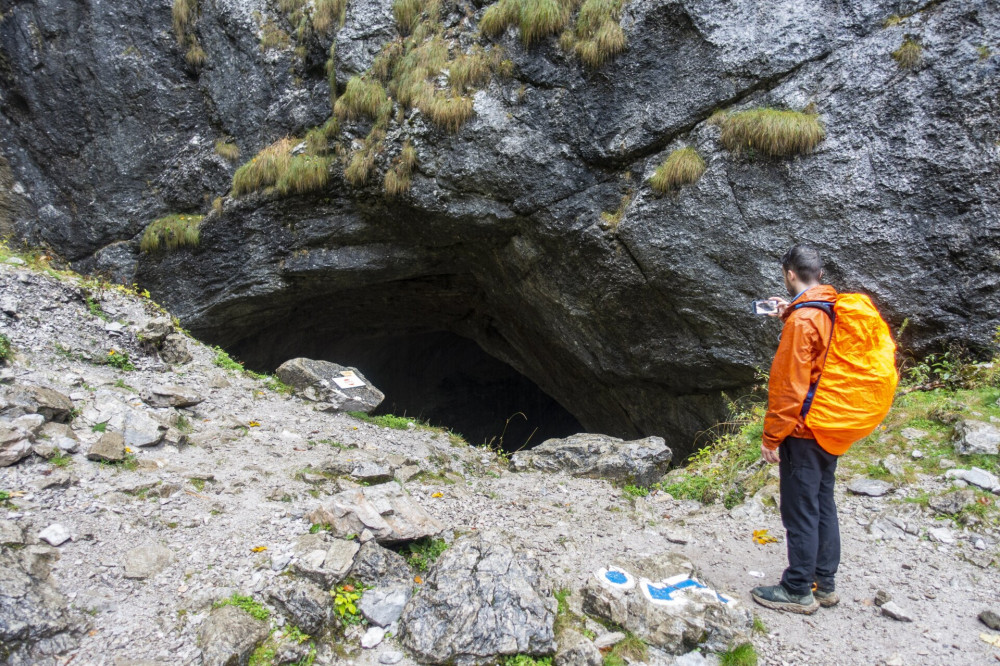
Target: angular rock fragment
column 54, row 535
column 324, row 559
column 977, row 477
column 389, row 514
column 21, row 400
column 174, row 350
column 170, row 396
column 869, row 487
column 379, row 566
column 146, row 561
column 481, row 600
column 307, row 606
column 15, row 445
column 109, row 448
column 318, row 381
column 952, row 503
column 383, row 606
column 229, row 635
column 575, row 649
column 976, row 437
column 641, row 461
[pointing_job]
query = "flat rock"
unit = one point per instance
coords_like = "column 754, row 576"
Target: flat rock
column 977, row 477
column 893, row 610
column 317, row 381
column 138, row 428
column 21, row 400
column 372, row 473
column 976, row 437
column 109, row 448
column 324, row 559
column 610, row 639
column 382, row 607
column 229, row 635
column 481, row 601
column 952, row 503
column 990, row 619
column 385, row 510
column 390, row 657
column 61, row 435
column 869, row 487
column 658, row 599
column 55, row 535
column 641, row 461
column 941, row 535
column 147, row 561
column 307, row 606
column 170, row 396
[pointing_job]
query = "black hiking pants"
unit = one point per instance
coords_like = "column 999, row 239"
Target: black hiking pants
column 809, row 515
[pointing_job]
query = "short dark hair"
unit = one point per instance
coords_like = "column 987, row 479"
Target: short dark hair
column 805, row 261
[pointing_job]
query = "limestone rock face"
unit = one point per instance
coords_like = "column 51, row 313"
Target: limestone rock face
column 642, row 461
column 480, row 600
column 637, row 327
column 660, row 600
column 315, row 380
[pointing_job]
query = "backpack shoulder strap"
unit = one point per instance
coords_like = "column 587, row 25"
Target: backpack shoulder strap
column 827, row 307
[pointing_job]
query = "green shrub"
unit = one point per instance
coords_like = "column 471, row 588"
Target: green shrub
column 227, row 150
column 172, row 232
column 909, row 54
column 119, row 360
column 526, row 660
column 771, row 132
column 5, row 350
column 684, row 166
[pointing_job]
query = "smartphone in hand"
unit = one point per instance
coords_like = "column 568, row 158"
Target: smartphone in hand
column 764, row 307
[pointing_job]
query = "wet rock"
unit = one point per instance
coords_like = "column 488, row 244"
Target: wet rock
column 385, row 510
column 869, row 487
column 976, row 437
column 952, row 503
column 641, row 461
column 383, row 606
column 893, row 610
column 977, row 477
column 170, row 396
column 376, row 565
column 481, row 600
column 307, row 606
column 317, row 381
column 54, row 535
column 324, row 559
column 640, row 596
column 229, row 635
column 15, row 445
column 147, row 561
column 109, row 448
column 35, row 619
column 575, row 649
column 990, row 619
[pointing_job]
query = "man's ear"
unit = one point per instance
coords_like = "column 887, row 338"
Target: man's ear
column 790, row 275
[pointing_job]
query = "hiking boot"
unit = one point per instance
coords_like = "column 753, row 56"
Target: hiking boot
column 826, row 598
column 778, row 598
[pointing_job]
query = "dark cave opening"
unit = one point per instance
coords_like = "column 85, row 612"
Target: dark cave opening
column 441, row 378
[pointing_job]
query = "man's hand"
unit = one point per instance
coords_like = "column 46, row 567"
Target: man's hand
column 782, row 306
column 769, row 455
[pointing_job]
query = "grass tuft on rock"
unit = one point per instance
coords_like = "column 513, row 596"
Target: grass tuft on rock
column 195, row 55
column 264, row 169
column 328, row 13
column 184, row 14
column 362, row 97
column 684, row 166
column 500, row 16
column 227, row 150
column 277, row 167
column 171, row 232
column 771, row 132
column 909, row 54
column 407, row 14
column 743, row 654
column 397, row 179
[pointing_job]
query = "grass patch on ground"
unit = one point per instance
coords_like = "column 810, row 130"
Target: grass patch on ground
column 909, row 54
column 771, row 132
column 684, row 166
column 171, row 232
column 385, row 420
column 247, row 603
column 743, row 654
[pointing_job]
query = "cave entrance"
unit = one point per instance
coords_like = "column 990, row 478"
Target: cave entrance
column 449, row 381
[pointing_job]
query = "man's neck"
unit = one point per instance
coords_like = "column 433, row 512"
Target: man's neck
column 803, row 288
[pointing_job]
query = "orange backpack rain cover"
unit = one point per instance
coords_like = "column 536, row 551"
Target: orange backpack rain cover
column 859, row 377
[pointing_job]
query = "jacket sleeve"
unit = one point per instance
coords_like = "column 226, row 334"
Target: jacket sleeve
column 790, row 374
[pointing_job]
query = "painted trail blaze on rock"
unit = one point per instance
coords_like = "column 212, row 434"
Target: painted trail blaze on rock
column 660, row 600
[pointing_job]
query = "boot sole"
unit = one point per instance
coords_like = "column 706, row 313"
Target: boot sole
column 788, row 607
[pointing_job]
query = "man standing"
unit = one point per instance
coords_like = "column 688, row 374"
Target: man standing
column 808, row 511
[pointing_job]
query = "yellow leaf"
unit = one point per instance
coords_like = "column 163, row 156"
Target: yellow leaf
column 418, row 580
column 437, row 495
column 762, row 537
column 258, row 549
column 254, row 424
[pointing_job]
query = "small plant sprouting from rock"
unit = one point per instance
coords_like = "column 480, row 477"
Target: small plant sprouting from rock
column 597, row 36
column 423, row 553
column 227, row 150
column 770, row 132
column 172, row 232
column 6, row 352
column 683, row 166
column 527, row 660
column 743, row 654
column 984, row 52
column 277, row 169
column 345, row 599
column 909, row 55
column 397, row 179
column 247, row 603
column 185, row 14
column 119, row 360
column 635, row 491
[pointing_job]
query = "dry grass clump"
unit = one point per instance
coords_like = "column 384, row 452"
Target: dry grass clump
column 684, row 166
column 305, row 173
column 328, row 13
column 500, row 16
column 536, row 19
column 264, row 169
column 227, row 150
column 184, row 14
column 217, row 205
column 397, row 179
column 276, row 166
column 469, row 70
column 362, row 97
column 195, row 55
column 449, row 112
column 273, row 37
column 171, row 232
column 407, row 14
column 318, row 138
column 771, row 132
column 597, row 36
column 362, row 160
column 909, row 54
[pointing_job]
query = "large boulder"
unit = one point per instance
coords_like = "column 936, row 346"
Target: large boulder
column 35, row 619
column 377, row 566
column 660, row 600
column 641, row 461
column 318, row 381
column 132, row 420
column 307, row 606
column 391, row 515
column 976, row 437
column 481, row 600
column 229, row 635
